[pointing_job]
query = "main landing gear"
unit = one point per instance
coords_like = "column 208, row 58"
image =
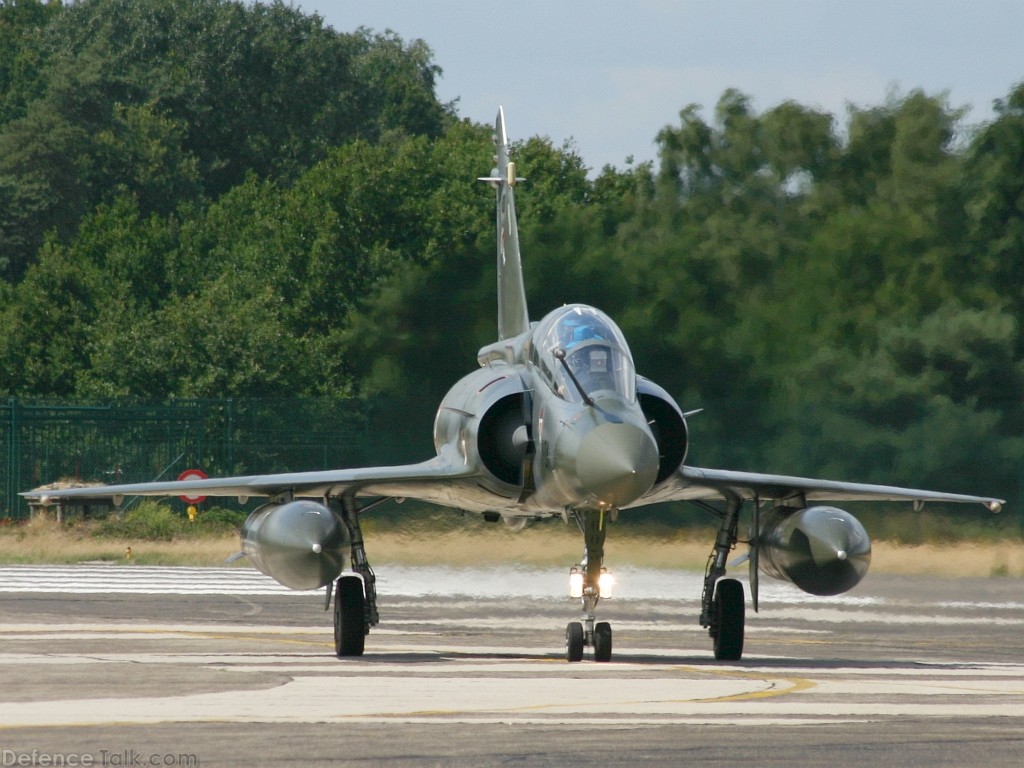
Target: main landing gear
column 722, row 605
column 355, row 600
column 590, row 582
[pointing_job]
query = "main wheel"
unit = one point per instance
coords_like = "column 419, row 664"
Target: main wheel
column 349, row 617
column 728, row 620
column 574, row 641
column 603, row 641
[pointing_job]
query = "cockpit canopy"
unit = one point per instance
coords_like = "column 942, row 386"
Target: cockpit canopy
column 595, row 351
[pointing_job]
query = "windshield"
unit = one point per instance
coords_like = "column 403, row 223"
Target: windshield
column 595, row 351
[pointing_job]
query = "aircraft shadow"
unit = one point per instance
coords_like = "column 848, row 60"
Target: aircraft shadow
column 641, row 659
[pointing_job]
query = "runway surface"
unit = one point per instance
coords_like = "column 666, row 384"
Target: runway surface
column 224, row 666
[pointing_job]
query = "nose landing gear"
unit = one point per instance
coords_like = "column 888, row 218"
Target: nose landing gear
column 590, row 582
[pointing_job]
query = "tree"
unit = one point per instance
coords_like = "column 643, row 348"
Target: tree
column 839, row 306
column 46, row 325
column 22, row 25
column 177, row 101
column 995, row 204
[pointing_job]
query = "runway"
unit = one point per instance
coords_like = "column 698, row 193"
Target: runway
column 466, row 669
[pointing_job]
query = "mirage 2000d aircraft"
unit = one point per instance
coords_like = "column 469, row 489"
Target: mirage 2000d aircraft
column 555, row 422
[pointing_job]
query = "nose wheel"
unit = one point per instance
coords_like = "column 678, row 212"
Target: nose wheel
column 603, row 641
column 576, row 641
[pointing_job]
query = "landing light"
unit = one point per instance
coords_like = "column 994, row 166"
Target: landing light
column 575, row 583
column 605, row 584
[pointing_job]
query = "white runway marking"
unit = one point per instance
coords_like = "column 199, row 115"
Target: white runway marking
column 453, row 688
column 466, row 660
column 136, row 580
column 401, row 585
column 393, row 580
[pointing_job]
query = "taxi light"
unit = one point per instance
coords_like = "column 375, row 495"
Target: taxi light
column 575, row 583
column 605, row 584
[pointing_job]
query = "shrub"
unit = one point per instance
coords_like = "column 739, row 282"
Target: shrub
column 218, row 520
column 149, row 520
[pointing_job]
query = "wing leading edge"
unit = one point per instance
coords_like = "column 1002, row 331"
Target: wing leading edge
column 695, row 483
column 435, row 481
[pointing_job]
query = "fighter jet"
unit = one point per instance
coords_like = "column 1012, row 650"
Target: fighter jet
column 554, row 422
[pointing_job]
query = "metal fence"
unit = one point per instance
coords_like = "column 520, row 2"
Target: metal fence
column 131, row 441
column 134, row 441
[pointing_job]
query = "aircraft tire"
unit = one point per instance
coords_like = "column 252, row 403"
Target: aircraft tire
column 729, row 617
column 603, row 641
column 574, row 641
column 349, row 617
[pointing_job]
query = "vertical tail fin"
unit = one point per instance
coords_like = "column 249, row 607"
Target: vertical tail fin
column 513, row 318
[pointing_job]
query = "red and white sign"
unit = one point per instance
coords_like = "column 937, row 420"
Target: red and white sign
column 192, row 474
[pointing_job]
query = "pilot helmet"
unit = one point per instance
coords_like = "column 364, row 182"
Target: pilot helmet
column 577, row 328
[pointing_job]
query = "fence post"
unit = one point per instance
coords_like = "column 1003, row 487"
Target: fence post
column 229, row 443
column 13, row 459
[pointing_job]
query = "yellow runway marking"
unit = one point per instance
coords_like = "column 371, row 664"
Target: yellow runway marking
column 796, row 685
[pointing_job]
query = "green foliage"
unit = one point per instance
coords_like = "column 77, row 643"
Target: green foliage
column 154, row 521
column 149, row 520
column 215, row 520
column 278, row 209
column 995, row 201
column 22, row 58
column 176, row 101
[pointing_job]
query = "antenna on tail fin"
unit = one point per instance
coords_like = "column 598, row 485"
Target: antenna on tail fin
column 513, row 318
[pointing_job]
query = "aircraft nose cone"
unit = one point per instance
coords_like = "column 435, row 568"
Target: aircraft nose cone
column 617, row 464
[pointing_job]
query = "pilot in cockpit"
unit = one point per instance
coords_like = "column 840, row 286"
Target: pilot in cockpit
column 591, row 364
column 577, row 329
column 591, row 349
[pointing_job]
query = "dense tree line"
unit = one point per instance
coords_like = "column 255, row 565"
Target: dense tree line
column 207, row 198
column 175, row 101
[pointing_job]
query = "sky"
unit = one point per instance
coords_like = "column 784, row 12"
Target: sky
column 608, row 75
